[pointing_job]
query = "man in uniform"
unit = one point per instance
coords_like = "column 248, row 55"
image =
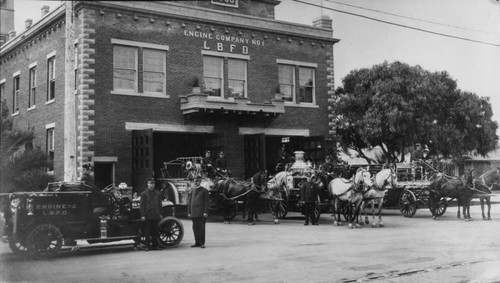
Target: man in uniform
column 221, row 164
column 198, row 205
column 417, row 154
column 207, row 164
column 150, row 207
column 327, row 167
column 309, row 198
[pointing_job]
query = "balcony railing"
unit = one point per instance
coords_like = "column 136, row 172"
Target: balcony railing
column 205, row 104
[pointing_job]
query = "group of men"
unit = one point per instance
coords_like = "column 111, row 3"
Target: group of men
column 151, row 213
column 212, row 168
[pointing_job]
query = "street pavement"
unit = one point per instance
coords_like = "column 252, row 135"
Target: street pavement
column 416, row 249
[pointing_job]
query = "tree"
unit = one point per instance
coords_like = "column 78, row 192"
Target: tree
column 21, row 166
column 396, row 105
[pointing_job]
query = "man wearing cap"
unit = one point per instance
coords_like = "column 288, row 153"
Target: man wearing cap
column 198, row 211
column 309, row 198
column 207, row 164
column 417, row 154
column 221, row 164
column 150, row 206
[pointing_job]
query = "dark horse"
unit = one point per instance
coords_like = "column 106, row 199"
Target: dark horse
column 482, row 188
column 443, row 185
column 249, row 192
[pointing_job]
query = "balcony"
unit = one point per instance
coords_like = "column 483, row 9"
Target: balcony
column 204, row 104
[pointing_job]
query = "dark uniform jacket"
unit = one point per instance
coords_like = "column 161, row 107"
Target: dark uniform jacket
column 198, row 202
column 308, row 192
column 221, row 164
column 150, row 204
column 417, row 154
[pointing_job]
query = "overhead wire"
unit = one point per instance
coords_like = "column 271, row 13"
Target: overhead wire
column 401, row 25
column 407, row 17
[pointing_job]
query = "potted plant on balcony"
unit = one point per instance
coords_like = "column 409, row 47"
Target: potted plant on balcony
column 278, row 95
column 196, row 83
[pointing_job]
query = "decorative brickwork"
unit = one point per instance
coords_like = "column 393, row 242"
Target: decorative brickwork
column 85, row 87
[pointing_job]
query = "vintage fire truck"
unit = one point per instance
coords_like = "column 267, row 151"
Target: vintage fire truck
column 39, row 224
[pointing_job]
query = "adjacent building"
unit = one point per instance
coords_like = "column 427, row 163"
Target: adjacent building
column 153, row 81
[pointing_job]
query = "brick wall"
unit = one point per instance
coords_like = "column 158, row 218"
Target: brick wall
column 36, row 49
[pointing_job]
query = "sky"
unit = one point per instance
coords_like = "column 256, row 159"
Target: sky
column 366, row 42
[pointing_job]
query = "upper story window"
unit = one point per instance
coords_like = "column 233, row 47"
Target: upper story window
column 15, row 96
column 132, row 78
column 287, row 82
column 297, row 81
column 306, row 85
column 2, row 89
column 125, row 68
column 237, row 77
column 154, row 71
column 213, row 74
column 225, row 74
column 51, row 78
column 32, row 88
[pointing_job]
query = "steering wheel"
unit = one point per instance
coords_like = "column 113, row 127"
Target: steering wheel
column 108, row 188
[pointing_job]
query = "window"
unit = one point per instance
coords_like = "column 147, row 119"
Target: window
column 50, row 146
column 76, row 66
column 287, row 81
column 153, row 71
column 2, row 89
column 139, row 68
column 306, row 85
column 32, row 89
column 237, row 77
column 51, row 78
column 212, row 75
column 297, row 81
column 15, row 97
column 223, row 71
column 125, row 68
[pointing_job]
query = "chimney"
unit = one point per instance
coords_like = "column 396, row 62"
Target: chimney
column 27, row 23
column 323, row 21
column 45, row 10
column 12, row 34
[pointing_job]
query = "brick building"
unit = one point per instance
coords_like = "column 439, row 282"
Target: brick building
column 265, row 83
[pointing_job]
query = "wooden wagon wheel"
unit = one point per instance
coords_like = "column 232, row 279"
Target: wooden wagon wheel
column 279, row 208
column 442, row 205
column 408, row 203
column 44, row 241
column 18, row 246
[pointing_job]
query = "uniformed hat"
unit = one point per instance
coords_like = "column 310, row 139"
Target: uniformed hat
column 207, row 151
column 198, row 177
column 417, row 144
column 221, row 153
column 150, row 179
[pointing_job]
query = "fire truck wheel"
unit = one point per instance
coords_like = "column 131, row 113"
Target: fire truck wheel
column 171, row 232
column 18, row 246
column 44, row 241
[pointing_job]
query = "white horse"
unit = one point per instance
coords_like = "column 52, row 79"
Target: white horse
column 375, row 195
column 282, row 182
column 350, row 193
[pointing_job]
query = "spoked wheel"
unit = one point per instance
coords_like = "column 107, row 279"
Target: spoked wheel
column 170, row 232
column 18, row 246
column 44, row 241
column 279, row 208
column 408, row 203
column 442, row 205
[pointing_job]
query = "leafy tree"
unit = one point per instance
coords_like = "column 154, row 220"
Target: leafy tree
column 394, row 105
column 21, row 166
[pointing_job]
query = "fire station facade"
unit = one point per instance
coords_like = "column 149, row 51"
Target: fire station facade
column 137, row 67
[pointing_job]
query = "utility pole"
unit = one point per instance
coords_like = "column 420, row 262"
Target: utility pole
column 69, row 99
